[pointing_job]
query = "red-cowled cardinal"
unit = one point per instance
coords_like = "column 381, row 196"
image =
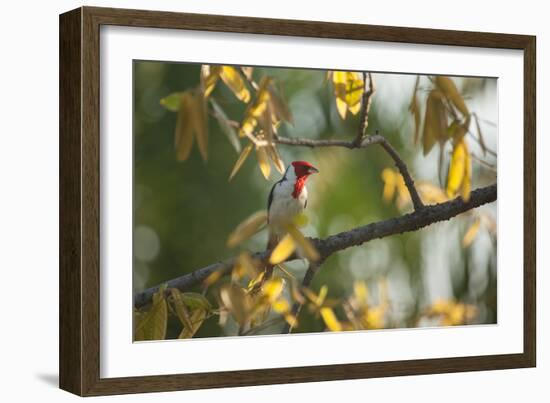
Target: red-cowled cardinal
column 287, row 199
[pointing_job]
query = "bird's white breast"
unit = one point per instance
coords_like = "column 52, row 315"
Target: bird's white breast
column 284, row 207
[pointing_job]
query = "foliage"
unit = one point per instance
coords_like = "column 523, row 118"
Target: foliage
column 246, row 300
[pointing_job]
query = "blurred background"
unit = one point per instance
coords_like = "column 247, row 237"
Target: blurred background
column 184, row 211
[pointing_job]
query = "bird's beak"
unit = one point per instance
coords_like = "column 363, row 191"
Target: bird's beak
column 313, row 170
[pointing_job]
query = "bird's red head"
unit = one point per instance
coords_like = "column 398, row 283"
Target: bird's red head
column 303, row 169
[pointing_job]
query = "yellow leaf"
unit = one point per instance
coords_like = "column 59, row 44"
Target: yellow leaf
column 471, row 233
column 448, row 87
column 200, row 120
column 300, row 220
column 212, row 278
column 209, row 78
column 235, row 82
column 263, row 162
column 276, row 158
column 322, row 295
column 466, row 187
column 257, row 109
column 457, row 168
column 389, row 178
column 247, row 228
column 374, row 317
column 305, row 245
column 240, row 161
column 184, row 127
column 348, row 89
column 342, row 108
column 460, row 171
column 435, row 121
column 273, row 288
column 247, row 264
column 361, row 292
column 330, row 320
column 431, row 194
column 281, row 306
column 283, row 250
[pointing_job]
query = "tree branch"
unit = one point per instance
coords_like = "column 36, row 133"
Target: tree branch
column 357, row 236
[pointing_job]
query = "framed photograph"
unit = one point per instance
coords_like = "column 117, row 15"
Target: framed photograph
column 272, row 201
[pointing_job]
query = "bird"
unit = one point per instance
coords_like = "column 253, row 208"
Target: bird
column 287, row 199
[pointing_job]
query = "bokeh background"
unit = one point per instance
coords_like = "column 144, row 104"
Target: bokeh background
column 184, row 211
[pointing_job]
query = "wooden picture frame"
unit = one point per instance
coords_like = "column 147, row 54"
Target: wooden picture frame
column 80, row 199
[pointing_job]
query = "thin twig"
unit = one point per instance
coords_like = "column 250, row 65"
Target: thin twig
column 306, row 282
column 366, row 101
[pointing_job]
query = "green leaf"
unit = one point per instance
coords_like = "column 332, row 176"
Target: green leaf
column 197, row 318
column 172, row 101
column 152, row 324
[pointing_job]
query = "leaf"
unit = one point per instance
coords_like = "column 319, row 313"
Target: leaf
column 466, row 187
column 196, row 320
column 415, row 110
column 273, row 288
column 448, row 87
column 470, row 235
column 209, row 78
column 247, row 228
column 361, row 292
column 212, row 278
column 431, row 194
column 152, row 324
column 257, row 109
column 273, row 153
column 235, row 82
column 305, row 245
column 236, row 301
column 172, row 101
column 457, row 130
column 184, row 127
column 300, row 220
column 247, row 71
column 283, row 250
column 390, row 184
column 200, row 123
column 181, row 310
column 263, row 161
column 435, row 121
column 348, row 89
column 460, row 171
column 227, row 129
column 279, row 107
column 330, row 319
column 195, row 300
column 240, row 161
